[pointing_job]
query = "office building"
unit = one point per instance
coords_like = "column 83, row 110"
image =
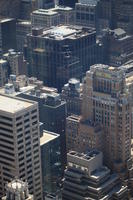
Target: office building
column 87, row 13
column 22, row 29
column 4, row 70
column 83, row 135
column 105, row 15
column 87, row 178
column 105, row 122
column 7, row 34
column 17, row 189
column 60, row 53
column 51, row 162
column 52, row 17
column 25, row 9
column 118, row 47
column 20, row 144
column 45, row 18
column 72, row 94
column 68, row 2
column 52, row 111
column 10, row 8
column 123, row 15
column 107, row 102
column 16, row 61
column 46, row 4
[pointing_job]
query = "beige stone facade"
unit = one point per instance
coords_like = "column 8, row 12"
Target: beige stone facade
column 107, row 103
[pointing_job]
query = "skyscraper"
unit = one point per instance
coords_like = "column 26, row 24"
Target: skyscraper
column 60, row 53
column 20, row 144
column 10, row 8
column 107, row 102
column 123, row 15
column 7, row 34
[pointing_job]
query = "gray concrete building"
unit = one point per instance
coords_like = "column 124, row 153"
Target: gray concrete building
column 20, row 144
column 52, row 17
column 87, row 178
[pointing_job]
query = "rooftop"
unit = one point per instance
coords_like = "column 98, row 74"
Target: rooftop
column 4, row 19
column 2, row 61
column 16, row 185
column 13, row 105
column 61, row 32
column 47, row 137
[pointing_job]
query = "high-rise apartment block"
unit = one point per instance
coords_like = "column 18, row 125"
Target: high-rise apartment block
column 72, row 94
column 87, row 178
column 60, row 53
column 20, row 144
column 17, row 189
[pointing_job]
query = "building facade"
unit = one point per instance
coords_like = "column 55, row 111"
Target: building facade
column 51, row 162
column 20, row 144
column 4, row 71
column 22, row 29
column 68, row 51
column 72, row 94
column 7, row 34
column 105, row 101
column 17, row 63
column 87, row 178
column 87, row 13
column 118, row 47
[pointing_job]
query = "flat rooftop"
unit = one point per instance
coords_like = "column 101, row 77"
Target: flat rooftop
column 5, row 19
column 62, row 32
column 47, row 137
column 13, row 105
column 2, row 61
